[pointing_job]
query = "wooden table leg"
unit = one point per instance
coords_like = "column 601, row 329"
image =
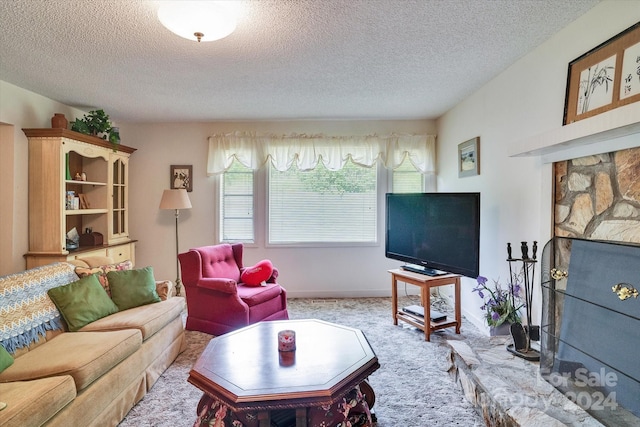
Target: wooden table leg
column 264, row 419
column 425, row 297
column 369, row 398
column 301, row 417
column 394, row 298
column 457, row 305
column 369, row 394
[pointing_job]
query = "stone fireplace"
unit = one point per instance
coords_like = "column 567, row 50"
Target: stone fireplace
column 593, row 184
column 590, row 334
column 598, row 197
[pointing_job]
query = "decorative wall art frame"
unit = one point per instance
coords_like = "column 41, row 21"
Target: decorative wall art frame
column 181, row 177
column 606, row 77
column 469, row 158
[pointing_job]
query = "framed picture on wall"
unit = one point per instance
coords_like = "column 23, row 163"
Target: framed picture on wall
column 606, row 77
column 181, row 177
column 469, row 158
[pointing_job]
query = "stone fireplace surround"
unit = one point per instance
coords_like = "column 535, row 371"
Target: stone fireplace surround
column 596, row 195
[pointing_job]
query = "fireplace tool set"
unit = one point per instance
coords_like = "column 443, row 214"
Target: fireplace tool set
column 522, row 335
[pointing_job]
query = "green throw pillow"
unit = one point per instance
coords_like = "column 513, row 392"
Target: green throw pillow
column 82, row 302
column 5, row 359
column 133, row 288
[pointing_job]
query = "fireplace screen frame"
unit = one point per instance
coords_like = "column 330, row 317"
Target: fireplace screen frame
column 569, row 366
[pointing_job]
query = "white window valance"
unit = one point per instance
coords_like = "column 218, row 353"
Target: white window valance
column 305, row 151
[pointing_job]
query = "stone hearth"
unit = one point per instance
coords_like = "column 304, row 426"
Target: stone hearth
column 508, row 390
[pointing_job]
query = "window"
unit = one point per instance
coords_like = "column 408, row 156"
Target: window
column 406, row 179
column 322, row 205
column 236, row 204
column 307, row 207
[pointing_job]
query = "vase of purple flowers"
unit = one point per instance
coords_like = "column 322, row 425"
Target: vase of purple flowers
column 500, row 304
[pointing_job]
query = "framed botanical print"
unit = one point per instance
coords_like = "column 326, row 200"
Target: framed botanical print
column 181, row 177
column 604, row 78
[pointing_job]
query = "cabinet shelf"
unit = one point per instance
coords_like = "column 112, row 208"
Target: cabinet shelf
column 85, row 211
column 73, row 181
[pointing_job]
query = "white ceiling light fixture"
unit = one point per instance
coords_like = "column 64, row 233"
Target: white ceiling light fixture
column 199, row 20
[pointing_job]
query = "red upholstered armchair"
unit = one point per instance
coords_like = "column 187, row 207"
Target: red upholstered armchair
column 217, row 300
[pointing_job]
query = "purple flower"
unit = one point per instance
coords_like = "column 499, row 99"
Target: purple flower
column 500, row 301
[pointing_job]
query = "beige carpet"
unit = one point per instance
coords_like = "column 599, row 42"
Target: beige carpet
column 413, row 387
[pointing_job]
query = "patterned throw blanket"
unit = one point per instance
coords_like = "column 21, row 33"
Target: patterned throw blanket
column 26, row 311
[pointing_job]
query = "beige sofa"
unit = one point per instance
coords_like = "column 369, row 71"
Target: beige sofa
column 91, row 377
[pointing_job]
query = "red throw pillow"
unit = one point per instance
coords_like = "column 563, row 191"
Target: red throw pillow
column 259, row 273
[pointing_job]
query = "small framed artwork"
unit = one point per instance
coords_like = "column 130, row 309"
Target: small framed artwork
column 606, row 77
column 469, row 158
column 181, row 177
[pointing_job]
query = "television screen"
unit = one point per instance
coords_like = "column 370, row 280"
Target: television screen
column 434, row 231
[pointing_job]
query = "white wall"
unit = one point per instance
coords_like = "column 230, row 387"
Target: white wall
column 525, row 100
column 7, row 192
column 305, row 272
column 20, row 109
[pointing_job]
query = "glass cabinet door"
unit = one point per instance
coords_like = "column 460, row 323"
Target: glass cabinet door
column 119, row 220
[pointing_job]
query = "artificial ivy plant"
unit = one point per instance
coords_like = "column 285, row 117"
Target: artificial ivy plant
column 97, row 122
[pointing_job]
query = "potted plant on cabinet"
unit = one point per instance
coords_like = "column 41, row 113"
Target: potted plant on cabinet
column 97, row 123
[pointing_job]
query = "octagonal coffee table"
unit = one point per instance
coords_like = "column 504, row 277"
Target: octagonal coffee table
column 244, row 370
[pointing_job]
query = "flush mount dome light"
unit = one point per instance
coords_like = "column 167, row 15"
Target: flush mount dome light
column 198, row 20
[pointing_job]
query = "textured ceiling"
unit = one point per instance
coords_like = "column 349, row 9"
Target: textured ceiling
column 287, row 59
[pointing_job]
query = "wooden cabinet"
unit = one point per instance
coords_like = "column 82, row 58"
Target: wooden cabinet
column 119, row 252
column 56, row 157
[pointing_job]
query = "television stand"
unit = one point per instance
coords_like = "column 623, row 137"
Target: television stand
column 423, row 270
column 425, row 283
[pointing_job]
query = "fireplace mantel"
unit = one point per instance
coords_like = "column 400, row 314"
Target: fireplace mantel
column 614, row 130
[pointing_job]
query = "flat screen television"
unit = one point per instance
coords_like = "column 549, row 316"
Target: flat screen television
column 436, row 233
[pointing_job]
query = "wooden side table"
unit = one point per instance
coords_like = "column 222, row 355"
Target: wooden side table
column 425, row 283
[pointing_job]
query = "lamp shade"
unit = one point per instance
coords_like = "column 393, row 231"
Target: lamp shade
column 175, row 199
column 198, row 20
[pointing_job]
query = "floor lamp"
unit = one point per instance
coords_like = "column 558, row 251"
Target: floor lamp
column 176, row 199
